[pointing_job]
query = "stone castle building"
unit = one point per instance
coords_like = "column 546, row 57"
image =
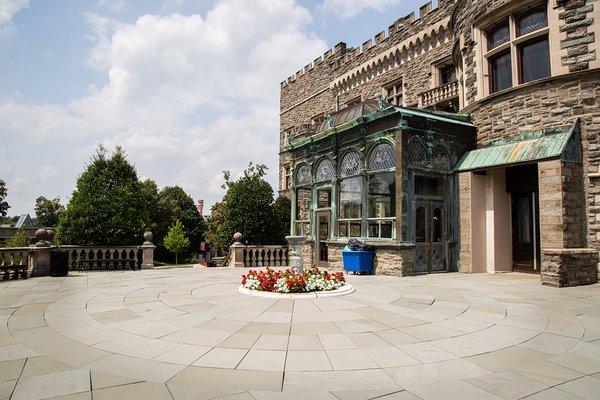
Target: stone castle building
column 464, row 139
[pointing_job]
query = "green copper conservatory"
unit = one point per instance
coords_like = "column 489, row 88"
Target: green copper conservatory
column 384, row 174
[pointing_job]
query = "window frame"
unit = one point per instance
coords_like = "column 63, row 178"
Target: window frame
column 512, row 46
column 393, row 98
column 371, row 173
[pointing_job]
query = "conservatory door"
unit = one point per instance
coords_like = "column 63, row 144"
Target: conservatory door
column 429, row 237
column 323, row 235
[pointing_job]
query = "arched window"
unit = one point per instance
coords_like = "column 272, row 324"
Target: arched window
column 351, row 164
column 440, row 158
column 303, row 175
column 382, row 157
column 325, row 170
column 416, row 154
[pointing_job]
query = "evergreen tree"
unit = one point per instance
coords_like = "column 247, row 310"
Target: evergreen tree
column 282, row 209
column 176, row 241
column 108, row 205
column 47, row 211
column 19, row 239
column 3, row 204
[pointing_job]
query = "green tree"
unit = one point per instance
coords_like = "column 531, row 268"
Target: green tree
column 176, row 241
column 282, row 210
column 175, row 204
column 108, row 205
column 47, row 211
column 249, row 209
column 3, row 203
column 19, row 239
column 159, row 218
column 214, row 223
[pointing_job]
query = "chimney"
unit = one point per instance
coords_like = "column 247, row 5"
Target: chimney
column 200, row 206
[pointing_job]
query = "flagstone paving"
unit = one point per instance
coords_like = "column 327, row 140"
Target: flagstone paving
column 188, row 334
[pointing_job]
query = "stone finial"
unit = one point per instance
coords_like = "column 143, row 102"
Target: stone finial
column 50, row 233
column 237, row 238
column 148, row 238
column 41, row 235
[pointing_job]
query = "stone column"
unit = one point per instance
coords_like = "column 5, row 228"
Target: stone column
column 566, row 261
column 237, row 251
column 148, row 251
column 40, row 265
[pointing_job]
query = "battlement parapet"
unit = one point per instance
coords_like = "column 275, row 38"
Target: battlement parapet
column 405, row 26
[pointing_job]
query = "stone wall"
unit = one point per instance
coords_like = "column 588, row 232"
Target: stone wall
column 312, row 90
column 573, row 37
column 569, row 267
column 576, row 20
column 558, row 101
column 465, row 256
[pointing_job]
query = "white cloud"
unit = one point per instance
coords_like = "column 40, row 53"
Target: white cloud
column 113, row 6
column 47, row 171
column 351, row 8
column 187, row 96
column 8, row 9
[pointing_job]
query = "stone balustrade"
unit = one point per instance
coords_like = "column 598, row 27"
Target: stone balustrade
column 256, row 256
column 40, row 259
column 15, row 261
column 103, row 257
column 438, row 94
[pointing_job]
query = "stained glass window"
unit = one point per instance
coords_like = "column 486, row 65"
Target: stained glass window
column 440, row 158
column 382, row 195
column 350, row 164
column 303, row 174
column 499, row 35
column 416, row 154
column 382, row 157
column 325, row 171
column 532, row 22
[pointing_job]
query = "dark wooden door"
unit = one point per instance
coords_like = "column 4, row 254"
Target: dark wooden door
column 430, row 221
column 525, row 229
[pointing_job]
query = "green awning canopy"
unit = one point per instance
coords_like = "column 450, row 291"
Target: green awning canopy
column 562, row 142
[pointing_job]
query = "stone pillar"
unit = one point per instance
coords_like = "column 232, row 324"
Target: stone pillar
column 148, row 251
column 40, row 265
column 237, row 251
column 472, row 216
column 566, row 261
column 296, row 258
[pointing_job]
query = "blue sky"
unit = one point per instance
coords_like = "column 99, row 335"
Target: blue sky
column 188, row 87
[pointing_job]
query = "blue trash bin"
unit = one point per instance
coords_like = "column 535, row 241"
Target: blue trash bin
column 357, row 261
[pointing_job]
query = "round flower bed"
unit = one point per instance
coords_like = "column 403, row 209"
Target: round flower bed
column 312, row 280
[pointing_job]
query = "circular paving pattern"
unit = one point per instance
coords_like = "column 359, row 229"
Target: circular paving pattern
column 189, row 333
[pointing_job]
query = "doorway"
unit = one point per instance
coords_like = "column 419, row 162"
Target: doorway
column 522, row 184
column 430, row 220
column 323, row 235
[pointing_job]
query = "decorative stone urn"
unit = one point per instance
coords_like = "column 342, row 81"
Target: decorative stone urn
column 42, row 238
column 296, row 261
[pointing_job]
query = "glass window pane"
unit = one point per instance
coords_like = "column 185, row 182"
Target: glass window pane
column 355, row 229
column 382, row 195
column 535, row 60
column 351, row 195
column 498, row 36
column 382, row 156
column 386, row 229
column 324, row 198
column 350, row 164
column 420, row 225
column 303, row 174
column 532, row 22
column 437, row 225
column 303, row 200
column 325, row 171
column 501, row 71
column 343, row 229
column 429, row 186
column 448, row 74
column 373, row 229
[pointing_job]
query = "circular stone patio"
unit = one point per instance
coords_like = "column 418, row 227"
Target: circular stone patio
column 189, row 334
